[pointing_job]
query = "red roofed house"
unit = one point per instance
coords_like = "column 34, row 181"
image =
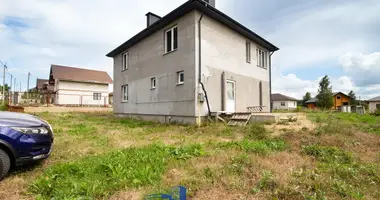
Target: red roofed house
column 79, row 87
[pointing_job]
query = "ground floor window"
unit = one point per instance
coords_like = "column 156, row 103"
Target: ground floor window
column 282, row 103
column 97, row 96
column 124, row 92
column 378, row 106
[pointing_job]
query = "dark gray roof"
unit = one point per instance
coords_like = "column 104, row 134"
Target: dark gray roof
column 312, row 100
column 375, row 99
column 184, row 9
column 281, row 97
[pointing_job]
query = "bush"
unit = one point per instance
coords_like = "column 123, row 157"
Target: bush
column 3, row 107
column 377, row 112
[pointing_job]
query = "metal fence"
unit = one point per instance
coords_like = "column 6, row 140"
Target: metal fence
column 46, row 99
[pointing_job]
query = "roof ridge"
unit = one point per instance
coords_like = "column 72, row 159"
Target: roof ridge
column 54, row 65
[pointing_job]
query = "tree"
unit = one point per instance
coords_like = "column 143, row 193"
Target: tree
column 305, row 98
column 325, row 95
column 7, row 88
column 352, row 96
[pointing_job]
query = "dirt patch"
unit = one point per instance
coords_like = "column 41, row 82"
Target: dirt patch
column 12, row 188
column 219, row 192
column 302, row 124
column 128, row 195
column 282, row 164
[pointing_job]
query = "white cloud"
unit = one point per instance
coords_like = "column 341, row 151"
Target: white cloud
column 70, row 32
column 363, row 68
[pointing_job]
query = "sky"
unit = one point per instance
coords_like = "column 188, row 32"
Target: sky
column 337, row 38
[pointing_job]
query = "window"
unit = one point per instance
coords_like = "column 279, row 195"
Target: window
column 338, row 97
column 248, row 51
column 377, row 106
column 153, row 83
column 180, row 77
column 124, row 92
column 282, row 103
column 125, row 61
column 97, row 96
column 261, row 58
column 171, row 39
column 294, row 103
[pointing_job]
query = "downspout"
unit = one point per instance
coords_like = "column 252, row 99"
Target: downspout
column 270, row 81
column 200, row 63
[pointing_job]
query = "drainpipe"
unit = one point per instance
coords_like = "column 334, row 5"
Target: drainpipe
column 200, row 63
column 270, row 81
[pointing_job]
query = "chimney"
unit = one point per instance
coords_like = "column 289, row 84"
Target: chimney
column 210, row 2
column 151, row 18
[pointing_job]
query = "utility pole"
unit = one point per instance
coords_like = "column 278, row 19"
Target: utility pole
column 4, row 85
column 10, row 91
column 27, row 89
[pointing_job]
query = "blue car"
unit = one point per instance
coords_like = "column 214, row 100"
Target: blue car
column 24, row 139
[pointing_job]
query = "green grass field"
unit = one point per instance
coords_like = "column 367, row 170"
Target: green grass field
column 98, row 156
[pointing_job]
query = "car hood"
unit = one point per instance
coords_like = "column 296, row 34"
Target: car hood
column 20, row 120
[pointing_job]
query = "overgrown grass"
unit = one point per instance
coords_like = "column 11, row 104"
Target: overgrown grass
column 344, row 121
column 100, row 176
column 262, row 147
column 339, row 171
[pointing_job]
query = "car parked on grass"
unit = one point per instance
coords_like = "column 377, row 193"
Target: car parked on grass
column 24, row 139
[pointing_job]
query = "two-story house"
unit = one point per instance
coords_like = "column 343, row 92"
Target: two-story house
column 192, row 62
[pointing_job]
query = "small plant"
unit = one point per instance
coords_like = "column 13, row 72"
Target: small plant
column 327, row 154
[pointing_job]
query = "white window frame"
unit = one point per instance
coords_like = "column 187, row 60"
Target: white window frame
column 179, row 82
column 248, row 51
column 263, row 63
column 125, row 61
column 153, row 83
column 172, row 39
column 124, row 89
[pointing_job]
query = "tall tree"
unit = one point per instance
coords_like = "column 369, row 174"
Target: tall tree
column 352, row 96
column 305, row 98
column 325, row 95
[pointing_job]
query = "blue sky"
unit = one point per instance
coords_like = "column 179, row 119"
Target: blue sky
column 316, row 37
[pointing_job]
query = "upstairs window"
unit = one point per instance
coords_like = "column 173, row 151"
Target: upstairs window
column 153, row 83
column 248, row 52
column 261, row 58
column 171, row 40
column 125, row 61
column 338, row 97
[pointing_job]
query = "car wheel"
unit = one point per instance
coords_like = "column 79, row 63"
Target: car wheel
column 5, row 164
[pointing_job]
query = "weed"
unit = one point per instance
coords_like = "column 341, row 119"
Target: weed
column 239, row 163
column 100, row 176
column 3, row 107
column 266, row 182
column 257, row 131
column 327, row 154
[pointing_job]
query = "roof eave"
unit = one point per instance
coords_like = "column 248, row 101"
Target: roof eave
column 182, row 10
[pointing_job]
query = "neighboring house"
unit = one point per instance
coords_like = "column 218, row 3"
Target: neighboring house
column 164, row 72
column 282, row 102
column 340, row 99
column 110, row 96
column 374, row 104
column 79, row 87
